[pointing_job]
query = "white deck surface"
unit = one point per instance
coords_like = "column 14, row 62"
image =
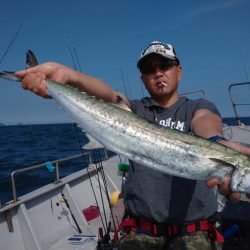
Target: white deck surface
column 41, row 219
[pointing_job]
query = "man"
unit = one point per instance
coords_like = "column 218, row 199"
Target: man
column 163, row 211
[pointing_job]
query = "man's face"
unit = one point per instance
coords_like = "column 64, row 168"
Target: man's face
column 160, row 76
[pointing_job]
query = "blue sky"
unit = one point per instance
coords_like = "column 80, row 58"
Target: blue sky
column 211, row 38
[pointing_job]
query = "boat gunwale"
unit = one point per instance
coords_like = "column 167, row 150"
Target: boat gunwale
column 48, row 188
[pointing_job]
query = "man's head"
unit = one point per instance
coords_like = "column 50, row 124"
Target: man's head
column 166, row 51
column 160, row 72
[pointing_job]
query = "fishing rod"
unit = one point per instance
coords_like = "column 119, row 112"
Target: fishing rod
column 100, row 166
column 104, row 240
column 31, row 61
column 11, row 43
column 70, row 46
column 77, row 66
column 243, row 63
column 98, row 178
column 72, row 215
column 142, row 89
column 30, row 57
column 86, row 167
column 126, row 89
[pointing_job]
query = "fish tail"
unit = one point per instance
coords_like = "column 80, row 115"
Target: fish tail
column 31, row 61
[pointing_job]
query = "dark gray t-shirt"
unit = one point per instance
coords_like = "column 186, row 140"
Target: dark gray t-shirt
column 163, row 198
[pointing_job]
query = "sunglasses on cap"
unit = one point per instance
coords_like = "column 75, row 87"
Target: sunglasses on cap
column 148, row 69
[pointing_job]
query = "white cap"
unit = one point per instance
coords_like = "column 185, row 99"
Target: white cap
column 165, row 50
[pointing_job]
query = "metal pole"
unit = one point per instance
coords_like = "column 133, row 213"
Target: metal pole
column 13, row 184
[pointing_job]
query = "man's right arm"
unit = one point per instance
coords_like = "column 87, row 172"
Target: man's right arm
column 34, row 79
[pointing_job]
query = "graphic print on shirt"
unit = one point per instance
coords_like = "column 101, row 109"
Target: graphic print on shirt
column 172, row 124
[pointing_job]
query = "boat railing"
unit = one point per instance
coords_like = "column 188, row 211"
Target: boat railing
column 200, row 91
column 57, row 168
column 234, row 104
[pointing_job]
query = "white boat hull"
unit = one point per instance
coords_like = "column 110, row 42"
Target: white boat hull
column 42, row 220
column 240, row 134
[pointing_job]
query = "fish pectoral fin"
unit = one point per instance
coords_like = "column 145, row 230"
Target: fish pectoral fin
column 223, row 169
column 120, row 103
column 93, row 143
column 221, row 162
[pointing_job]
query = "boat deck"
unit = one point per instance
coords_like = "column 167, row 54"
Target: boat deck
column 43, row 218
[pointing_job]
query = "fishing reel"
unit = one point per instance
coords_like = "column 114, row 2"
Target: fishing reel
column 104, row 240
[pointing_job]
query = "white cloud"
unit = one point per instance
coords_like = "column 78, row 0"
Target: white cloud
column 215, row 6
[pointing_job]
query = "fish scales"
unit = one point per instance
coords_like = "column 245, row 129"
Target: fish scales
column 157, row 147
column 163, row 149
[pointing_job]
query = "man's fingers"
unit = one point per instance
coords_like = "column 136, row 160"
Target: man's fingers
column 36, row 83
column 234, row 196
column 224, row 188
column 21, row 73
column 223, row 185
column 213, row 182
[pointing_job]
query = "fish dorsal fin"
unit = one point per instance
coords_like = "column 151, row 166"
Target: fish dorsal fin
column 120, row 103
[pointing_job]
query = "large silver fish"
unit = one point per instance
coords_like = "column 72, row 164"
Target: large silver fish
column 152, row 145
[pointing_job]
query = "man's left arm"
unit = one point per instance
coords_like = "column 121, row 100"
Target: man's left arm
column 207, row 124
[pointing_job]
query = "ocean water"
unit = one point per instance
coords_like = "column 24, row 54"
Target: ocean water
column 23, row 146
column 27, row 145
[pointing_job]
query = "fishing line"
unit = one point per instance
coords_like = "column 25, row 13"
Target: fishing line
column 107, row 195
column 73, row 60
column 62, row 194
column 84, row 161
column 103, row 207
column 243, row 64
column 70, row 45
column 124, row 85
column 72, row 215
column 74, row 57
column 11, row 43
column 142, row 88
column 105, row 184
column 99, row 168
column 77, row 59
column 127, row 81
column 86, row 167
column 76, row 63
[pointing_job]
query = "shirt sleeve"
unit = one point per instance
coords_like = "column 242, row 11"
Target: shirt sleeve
column 205, row 104
column 132, row 104
column 136, row 106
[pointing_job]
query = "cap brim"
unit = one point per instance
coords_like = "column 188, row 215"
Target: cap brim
column 141, row 61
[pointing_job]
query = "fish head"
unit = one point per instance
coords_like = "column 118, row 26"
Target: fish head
column 241, row 180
